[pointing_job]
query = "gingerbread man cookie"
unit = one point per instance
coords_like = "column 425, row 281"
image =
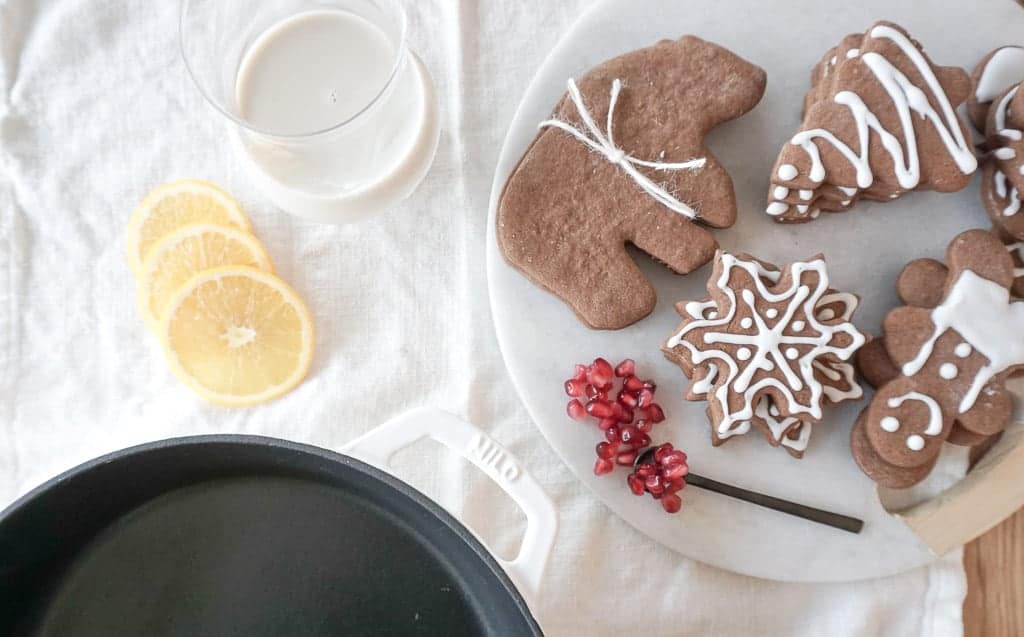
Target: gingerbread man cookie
column 623, row 161
column 767, row 349
column 879, row 120
column 951, row 356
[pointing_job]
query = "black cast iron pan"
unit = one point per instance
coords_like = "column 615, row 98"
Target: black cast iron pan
column 250, row 536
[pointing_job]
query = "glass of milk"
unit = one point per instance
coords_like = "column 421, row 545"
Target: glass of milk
column 335, row 117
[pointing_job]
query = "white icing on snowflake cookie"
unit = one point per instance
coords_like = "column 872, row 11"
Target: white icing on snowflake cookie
column 767, row 333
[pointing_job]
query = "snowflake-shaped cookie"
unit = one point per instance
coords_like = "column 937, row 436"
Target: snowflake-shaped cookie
column 767, row 334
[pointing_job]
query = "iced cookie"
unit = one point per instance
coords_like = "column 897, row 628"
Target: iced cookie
column 879, row 120
column 1002, row 184
column 997, row 71
column 768, row 349
column 952, row 360
column 622, row 160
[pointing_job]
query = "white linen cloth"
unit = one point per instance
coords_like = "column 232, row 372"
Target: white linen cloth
column 97, row 108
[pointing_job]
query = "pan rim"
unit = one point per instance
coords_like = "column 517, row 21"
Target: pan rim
column 249, row 440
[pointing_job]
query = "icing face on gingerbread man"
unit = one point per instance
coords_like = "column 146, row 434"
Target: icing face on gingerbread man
column 879, row 120
column 950, row 357
column 622, row 160
column 767, row 349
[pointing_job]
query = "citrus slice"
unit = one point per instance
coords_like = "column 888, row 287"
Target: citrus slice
column 176, row 204
column 237, row 335
column 186, row 252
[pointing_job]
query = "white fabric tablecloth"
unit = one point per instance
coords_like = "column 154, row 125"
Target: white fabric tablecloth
column 96, row 109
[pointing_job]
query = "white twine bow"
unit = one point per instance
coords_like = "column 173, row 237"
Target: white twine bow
column 606, row 146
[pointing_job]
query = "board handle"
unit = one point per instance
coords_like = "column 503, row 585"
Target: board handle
column 992, row 491
column 379, row 445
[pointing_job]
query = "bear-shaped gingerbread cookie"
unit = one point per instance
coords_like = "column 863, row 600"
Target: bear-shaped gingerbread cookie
column 623, row 161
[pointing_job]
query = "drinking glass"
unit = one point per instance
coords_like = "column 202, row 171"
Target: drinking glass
column 383, row 138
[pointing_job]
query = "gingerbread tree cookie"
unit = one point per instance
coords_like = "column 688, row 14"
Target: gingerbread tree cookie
column 623, row 161
column 950, row 357
column 768, row 349
column 997, row 71
column 879, row 120
column 1002, row 185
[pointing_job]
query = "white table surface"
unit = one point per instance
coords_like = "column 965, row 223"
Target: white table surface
column 96, row 109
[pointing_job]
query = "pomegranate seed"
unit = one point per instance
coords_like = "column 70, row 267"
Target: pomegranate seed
column 673, row 458
column 629, row 432
column 603, row 466
column 600, row 373
column 646, row 470
column 581, row 373
column 654, row 413
column 653, row 483
column 576, row 410
column 574, row 388
column 645, row 397
column 636, row 485
column 641, row 441
column 606, row 423
column 593, row 392
column 606, row 450
column 672, row 486
column 623, row 414
column 649, row 384
column 625, row 368
column 600, row 408
column 626, row 458
column 626, row 399
column 675, row 472
column 611, row 434
column 671, row 503
column 661, row 452
column 632, row 384
column 644, row 425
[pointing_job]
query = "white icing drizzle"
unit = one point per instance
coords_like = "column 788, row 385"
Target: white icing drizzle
column 915, row 442
column 696, row 309
column 604, row 143
column 703, row 386
column 1012, row 197
column 979, row 311
column 1000, row 109
column 768, row 413
column 799, row 325
column 806, row 194
column 1004, row 68
column 847, row 300
column 890, row 424
column 852, row 53
column 948, row 371
column 826, row 315
column 787, row 172
column 767, row 343
column 776, row 208
column 934, row 427
column 781, row 192
column 746, row 322
column 963, row 350
column 848, row 191
column 908, row 99
column 771, row 313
